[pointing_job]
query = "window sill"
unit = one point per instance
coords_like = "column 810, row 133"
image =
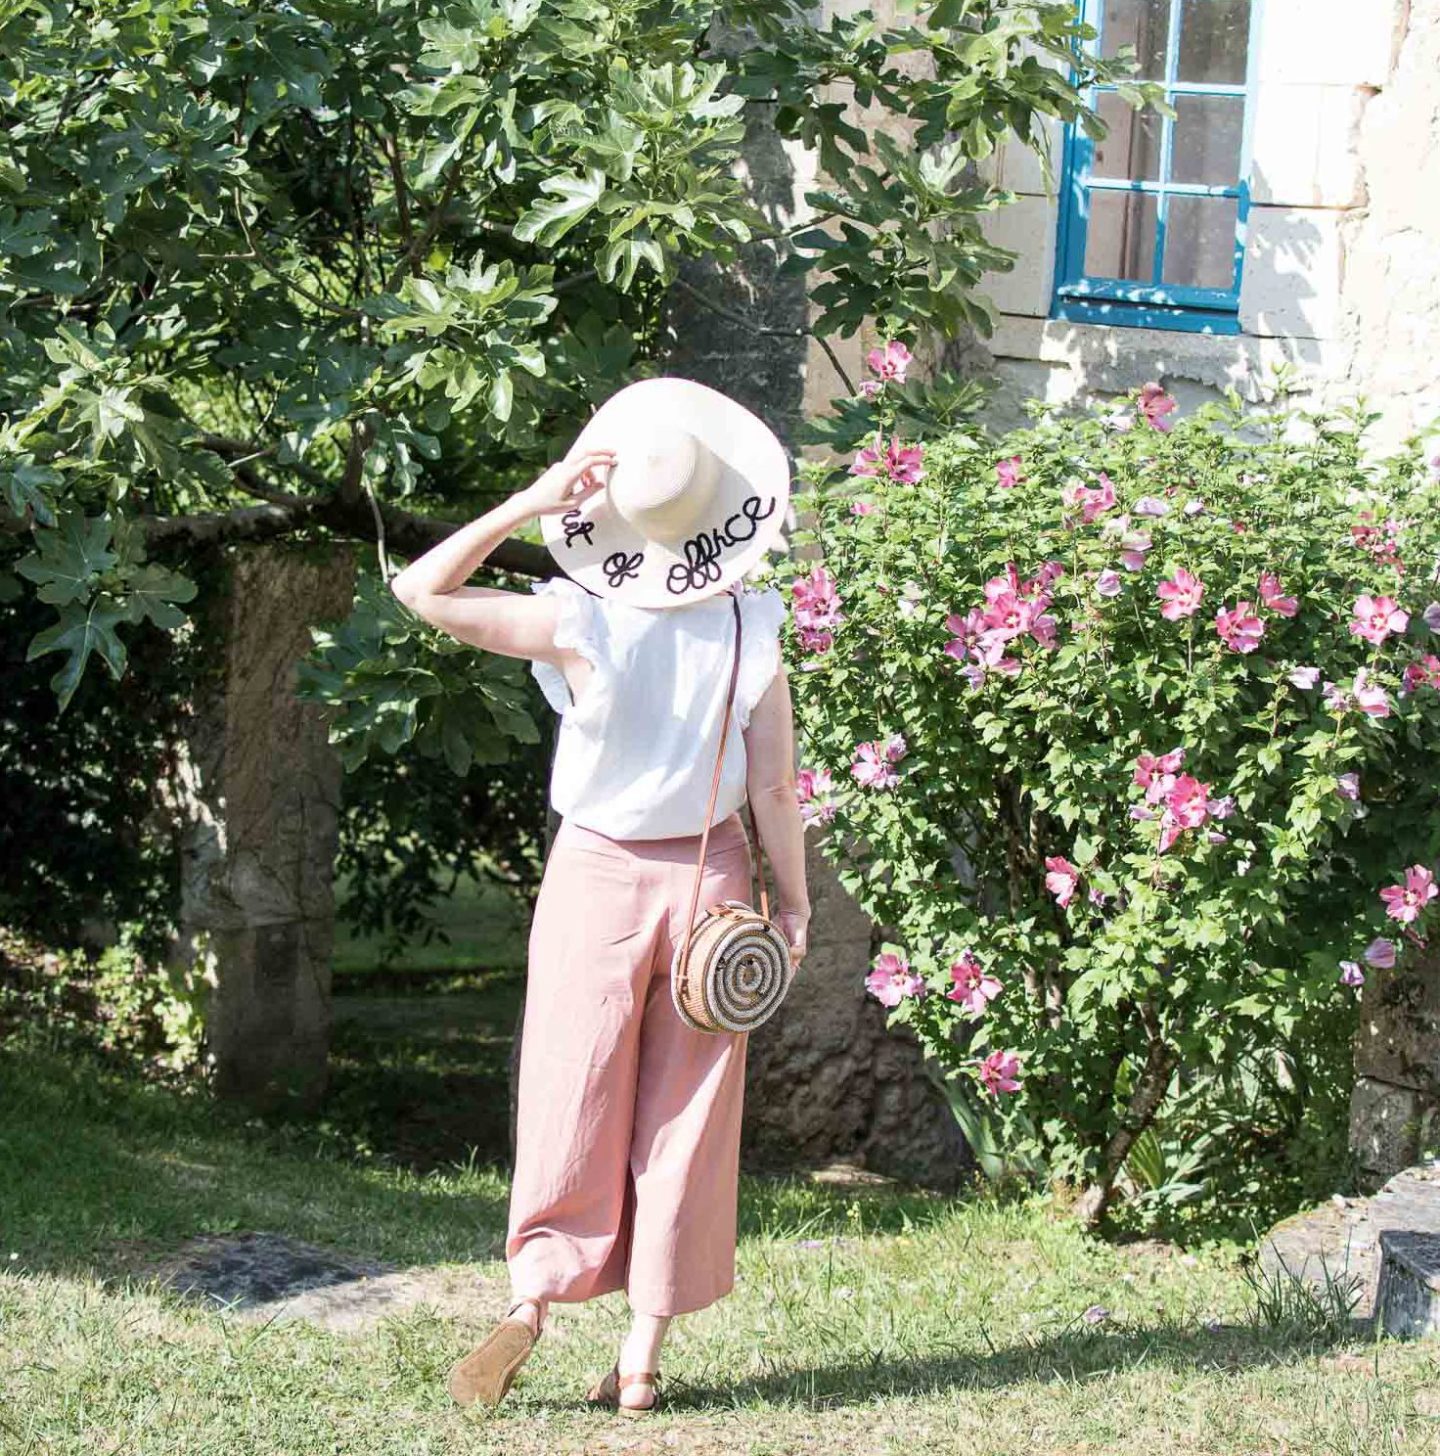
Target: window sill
column 1120, row 314
column 1116, row 358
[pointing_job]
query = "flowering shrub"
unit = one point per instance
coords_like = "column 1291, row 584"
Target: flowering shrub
column 1125, row 727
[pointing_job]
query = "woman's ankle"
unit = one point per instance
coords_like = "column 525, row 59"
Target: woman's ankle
column 532, row 1307
column 640, row 1349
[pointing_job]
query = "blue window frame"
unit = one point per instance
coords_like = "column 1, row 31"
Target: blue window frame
column 1153, row 218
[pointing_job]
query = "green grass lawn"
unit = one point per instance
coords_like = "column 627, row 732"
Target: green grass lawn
column 862, row 1321
column 486, row 924
column 420, row 1048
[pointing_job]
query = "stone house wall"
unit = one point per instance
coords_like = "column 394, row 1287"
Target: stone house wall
column 1341, row 275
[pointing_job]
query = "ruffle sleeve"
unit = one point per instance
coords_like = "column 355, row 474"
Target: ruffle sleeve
column 580, row 625
column 764, row 615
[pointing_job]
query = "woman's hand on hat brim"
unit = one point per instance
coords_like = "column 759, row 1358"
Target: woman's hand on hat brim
column 569, row 482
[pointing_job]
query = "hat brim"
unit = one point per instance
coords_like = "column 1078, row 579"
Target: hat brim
column 601, row 550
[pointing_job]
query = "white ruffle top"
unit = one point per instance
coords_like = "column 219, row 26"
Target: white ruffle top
column 635, row 754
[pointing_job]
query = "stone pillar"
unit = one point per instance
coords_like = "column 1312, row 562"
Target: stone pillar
column 825, row 1080
column 256, row 793
column 1395, row 1106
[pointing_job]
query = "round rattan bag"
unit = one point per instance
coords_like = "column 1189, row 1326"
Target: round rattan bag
column 737, row 972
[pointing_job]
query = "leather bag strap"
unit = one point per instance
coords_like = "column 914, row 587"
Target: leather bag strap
column 710, row 807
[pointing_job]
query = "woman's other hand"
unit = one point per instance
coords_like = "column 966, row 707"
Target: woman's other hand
column 794, row 925
column 568, row 482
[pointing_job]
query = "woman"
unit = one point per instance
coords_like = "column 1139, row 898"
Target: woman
column 628, row 1125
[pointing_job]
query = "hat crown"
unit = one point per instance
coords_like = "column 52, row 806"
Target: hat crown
column 663, row 482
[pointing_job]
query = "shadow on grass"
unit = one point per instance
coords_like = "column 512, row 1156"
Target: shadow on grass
column 1072, row 1355
column 110, row 1170
column 420, row 1070
column 101, row 1164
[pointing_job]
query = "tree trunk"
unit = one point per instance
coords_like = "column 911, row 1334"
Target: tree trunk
column 1149, row 1093
column 256, row 793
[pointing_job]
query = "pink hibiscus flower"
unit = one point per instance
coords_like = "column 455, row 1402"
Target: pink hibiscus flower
column 1380, row 953
column 1239, row 628
column 1380, row 542
column 814, row 600
column 974, row 989
column 871, row 766
column 891, row 979
column 1181, row 595
column 1155, row 404
column 1132, row 550
column 1187, row 806
column 1091, row 500
column 891, row 362
column 1272, row 596
column 1424, row 673
column 1156, row 774
column 1061, row 878
column 1007, row 473
column 1370, row 697
column 999, row 1072
column 967, row 629
column 813, row 790
column 1405, row 902
column 900, row 462
column 1377, row 617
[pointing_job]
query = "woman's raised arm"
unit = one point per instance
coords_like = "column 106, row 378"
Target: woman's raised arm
column 770, row 786
column 499, row 620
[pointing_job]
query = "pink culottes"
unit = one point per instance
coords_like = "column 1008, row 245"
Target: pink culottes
column 627, row 1120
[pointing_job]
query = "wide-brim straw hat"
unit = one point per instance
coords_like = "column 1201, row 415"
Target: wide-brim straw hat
column 698, row 492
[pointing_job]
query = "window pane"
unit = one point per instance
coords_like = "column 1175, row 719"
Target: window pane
column 1207, row 139
column 1214, row 36
column 1144, row 24
column 1120, row 236
column 1200, row 241
column 1132, row 148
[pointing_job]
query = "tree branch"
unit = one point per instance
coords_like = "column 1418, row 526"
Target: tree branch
column 417, row 247
column 1149, row 1091
column 260, row 255
column 391, row 146
column 406, row 533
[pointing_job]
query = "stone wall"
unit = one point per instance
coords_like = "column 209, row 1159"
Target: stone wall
column 825, row 1080
column 1389, row 307
column 1395, row 1106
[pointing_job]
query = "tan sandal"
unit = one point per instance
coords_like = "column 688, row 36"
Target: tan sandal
column 486, row 1372
column 606, row 1390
